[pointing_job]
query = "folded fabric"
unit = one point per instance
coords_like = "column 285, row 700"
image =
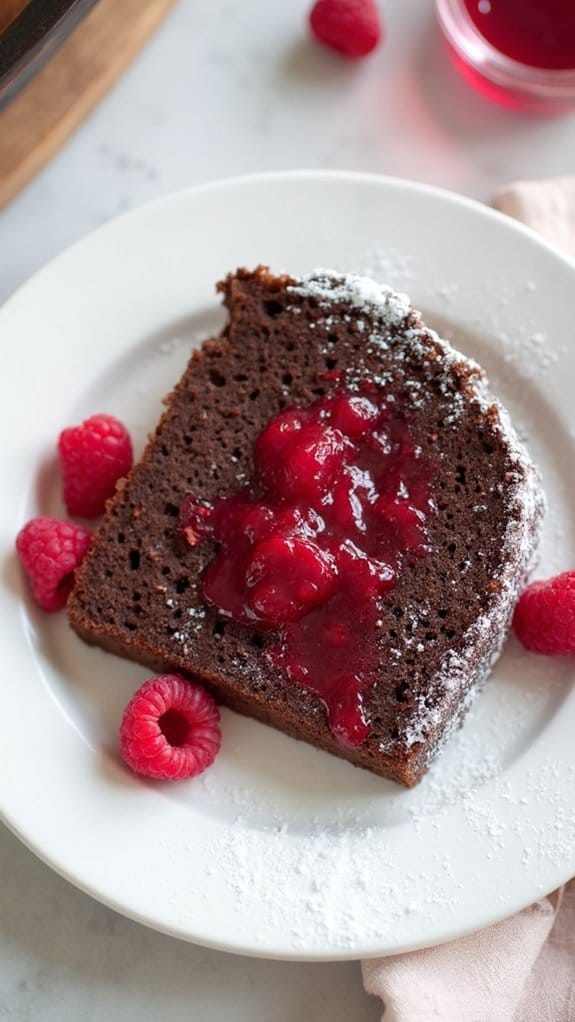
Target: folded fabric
column 546, row 206
column 520, row 969
column 524, row 967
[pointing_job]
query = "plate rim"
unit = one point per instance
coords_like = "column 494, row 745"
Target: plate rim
column 268, row 176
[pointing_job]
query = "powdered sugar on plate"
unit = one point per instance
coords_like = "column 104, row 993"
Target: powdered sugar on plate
column 345, row 881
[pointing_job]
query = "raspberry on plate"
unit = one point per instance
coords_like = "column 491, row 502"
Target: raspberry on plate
column 93, row 456
column 351, row 27
column 170, row 729
column 50, row 550
column 544, row 619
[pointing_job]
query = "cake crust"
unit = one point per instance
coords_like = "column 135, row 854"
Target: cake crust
column 441, row 628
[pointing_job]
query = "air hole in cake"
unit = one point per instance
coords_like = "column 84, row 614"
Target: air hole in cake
column 237, row 453
column 452, row 548
column 489, row 448
column 430, row 636
column 290, row 346
column 272, row 308
column 136, row 596
column 398, row 612
column 403, row 693
column 332, row 338
column 166, row 570
column 331, row 363
column 130, row 625
column 287, row 379
column 460, row 475
column 442, row 613
column 219, row 628
column 255, row 394
column 172, row 510
column 134, row 557
column 165, row 451
column 182, row 584
column 241, row 378
column 257, row 641
column 217, row 378
column 319, row 391
column 121, row 537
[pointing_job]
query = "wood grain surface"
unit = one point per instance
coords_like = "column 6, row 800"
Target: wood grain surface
column 40, row 119
column 8, row 11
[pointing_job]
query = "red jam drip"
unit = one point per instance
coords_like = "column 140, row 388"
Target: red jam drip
column 339, row 503
column 540, row 33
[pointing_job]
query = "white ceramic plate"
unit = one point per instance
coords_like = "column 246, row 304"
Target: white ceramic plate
column 280, row 850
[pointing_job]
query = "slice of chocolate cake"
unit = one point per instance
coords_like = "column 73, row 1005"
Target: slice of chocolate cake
column 329, row 527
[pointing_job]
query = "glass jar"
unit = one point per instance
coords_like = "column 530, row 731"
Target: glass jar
column 518, row 52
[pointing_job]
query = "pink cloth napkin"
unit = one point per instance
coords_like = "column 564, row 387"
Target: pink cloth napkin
column 522, row 969
column 546, row 206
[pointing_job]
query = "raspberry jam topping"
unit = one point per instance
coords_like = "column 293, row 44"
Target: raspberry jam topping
column 338, row 504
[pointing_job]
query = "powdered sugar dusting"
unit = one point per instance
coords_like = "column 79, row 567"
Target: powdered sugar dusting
column 331, row 874
column 330, row 857
column 345, row 884
column 390, row 325
column 326, row 855
column 357, row 292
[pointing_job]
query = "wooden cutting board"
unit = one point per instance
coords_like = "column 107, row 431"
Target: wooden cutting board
column 40, row 119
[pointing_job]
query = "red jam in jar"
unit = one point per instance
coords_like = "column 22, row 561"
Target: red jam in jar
column 540, row 33
column 340, row 500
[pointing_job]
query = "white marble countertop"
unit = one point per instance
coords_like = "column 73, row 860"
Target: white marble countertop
column 228, row 87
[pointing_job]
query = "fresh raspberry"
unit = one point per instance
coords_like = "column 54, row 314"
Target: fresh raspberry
column 50, row 550
column 544, row 619
column 351, row 27
column 170, row 729
column 93, row 457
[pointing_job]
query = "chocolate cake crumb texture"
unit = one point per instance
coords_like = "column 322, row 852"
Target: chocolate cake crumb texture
column 440, row 630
